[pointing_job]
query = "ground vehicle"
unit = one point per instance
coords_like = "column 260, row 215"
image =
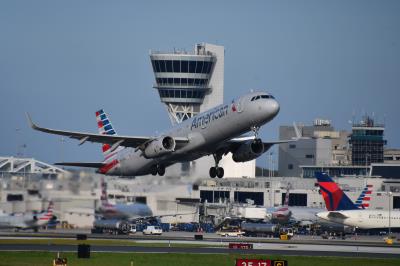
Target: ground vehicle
column 230, row 232
column 152, row 230
column 286, row 233
column 113, row 227
column 259, row 229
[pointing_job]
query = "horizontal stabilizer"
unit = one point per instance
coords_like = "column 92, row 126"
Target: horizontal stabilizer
column 338, row 215
column 90, row 165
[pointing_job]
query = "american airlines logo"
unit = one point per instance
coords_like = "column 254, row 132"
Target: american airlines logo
column 207, row 118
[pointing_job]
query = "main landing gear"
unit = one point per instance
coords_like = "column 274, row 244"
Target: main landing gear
column 217, row 171
column 157, row 169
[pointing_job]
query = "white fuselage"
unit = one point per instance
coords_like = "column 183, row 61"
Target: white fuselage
column 364, row 219
column 126, row 211
column 21, row 221
column 205, row 132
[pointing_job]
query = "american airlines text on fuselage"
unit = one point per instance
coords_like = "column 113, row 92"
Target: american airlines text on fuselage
column 204, row 120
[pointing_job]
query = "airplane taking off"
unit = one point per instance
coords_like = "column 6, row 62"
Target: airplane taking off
column 343, row 211
column 214, row 132
column 26, row 221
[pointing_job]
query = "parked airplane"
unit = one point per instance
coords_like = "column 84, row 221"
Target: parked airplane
column 26, row 221
column 122, row 211
column 306, row 215
column 214, row 132
column 343, row 211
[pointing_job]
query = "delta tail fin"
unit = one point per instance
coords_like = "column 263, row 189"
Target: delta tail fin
column 334, row 197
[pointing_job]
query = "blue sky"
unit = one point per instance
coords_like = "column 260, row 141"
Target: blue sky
column 63, row 60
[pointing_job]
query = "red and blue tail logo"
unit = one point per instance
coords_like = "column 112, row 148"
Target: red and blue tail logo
column 334, row 197
column 105, row 127
column 364, row 198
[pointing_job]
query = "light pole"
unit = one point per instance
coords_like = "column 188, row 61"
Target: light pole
column 390, row 197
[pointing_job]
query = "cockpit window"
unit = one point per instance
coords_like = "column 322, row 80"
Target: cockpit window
column 263, row 96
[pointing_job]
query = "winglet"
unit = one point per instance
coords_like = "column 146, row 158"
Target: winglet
column 31, row 124
column 296, row 130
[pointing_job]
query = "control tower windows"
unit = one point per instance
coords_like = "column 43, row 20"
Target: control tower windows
column 183, row 93
column 183, row 66
column 182, row 81
column 168, row 65
column 162, row 65
column 177, row 66
column 199, row 67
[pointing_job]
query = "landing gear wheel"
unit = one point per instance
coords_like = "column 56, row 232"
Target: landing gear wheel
column 161, row 170
column 217, row 171
column 153, row 170
column 255, row 129
column 213, row 172
column 220, row 172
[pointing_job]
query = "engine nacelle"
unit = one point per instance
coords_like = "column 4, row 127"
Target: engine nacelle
column 248, row 151
column 159, row 147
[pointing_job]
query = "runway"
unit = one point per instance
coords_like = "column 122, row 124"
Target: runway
column 365, row 241
column 262, row 250
column 364, row 246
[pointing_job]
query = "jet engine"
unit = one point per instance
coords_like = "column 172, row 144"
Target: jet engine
column 159, row 147
column 248, row 151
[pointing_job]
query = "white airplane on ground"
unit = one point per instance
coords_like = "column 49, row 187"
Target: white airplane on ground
column 306, row 215
column 129, row 212
column 26, row 221
column 348, row 213
column 214, row 132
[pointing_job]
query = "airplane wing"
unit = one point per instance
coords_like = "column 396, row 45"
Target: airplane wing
column 113, row 140
column 338, row 215
column 234, row 143
column 79, row 164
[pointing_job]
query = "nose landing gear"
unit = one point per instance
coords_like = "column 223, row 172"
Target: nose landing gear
column 217, row 171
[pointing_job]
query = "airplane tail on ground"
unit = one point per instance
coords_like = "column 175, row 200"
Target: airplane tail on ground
column 105, row 127
column 334, row 197
column 103, row 197
column 45, row 217
column 364, row 198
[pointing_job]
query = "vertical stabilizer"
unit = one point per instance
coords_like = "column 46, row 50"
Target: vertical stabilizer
column 363, row 200
column 334, row 197
column 104, row 196
column 105, row 127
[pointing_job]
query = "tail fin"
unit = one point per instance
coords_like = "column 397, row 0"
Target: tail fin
column 48, row 214
column 286, row 202
column 104, row 197
column 364, row 198
column 105, row 127
column 334, row 197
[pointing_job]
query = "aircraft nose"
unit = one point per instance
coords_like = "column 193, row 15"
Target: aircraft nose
column 322, row 215
column 273, row 106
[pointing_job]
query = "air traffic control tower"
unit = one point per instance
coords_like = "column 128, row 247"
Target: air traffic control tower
column 192, row 82
column 189, row 83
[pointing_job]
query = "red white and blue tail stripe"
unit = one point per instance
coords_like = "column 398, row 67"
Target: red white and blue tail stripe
column 364, row 198
column 105, row 127
column 48, row 214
